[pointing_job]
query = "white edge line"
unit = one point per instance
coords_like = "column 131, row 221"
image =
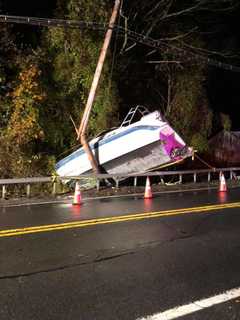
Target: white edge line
column 184, row 310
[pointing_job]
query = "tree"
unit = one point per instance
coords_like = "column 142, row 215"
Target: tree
column 23, row 127
column 174, row 70
column 74, row 54
column 8, row 56
column 190, row 113
column 23, row 133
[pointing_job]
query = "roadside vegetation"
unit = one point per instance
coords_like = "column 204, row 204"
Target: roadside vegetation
column 45, row 77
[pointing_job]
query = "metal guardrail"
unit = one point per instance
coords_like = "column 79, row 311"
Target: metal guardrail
column 117, row 177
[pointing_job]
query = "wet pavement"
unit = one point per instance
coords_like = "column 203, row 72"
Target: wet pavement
column 40, row 214
column 125, row 270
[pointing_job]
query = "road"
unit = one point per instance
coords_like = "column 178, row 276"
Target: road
column 123, row 258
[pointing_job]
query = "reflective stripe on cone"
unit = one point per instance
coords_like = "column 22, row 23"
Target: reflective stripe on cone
column 77, row 200
column 148, row 191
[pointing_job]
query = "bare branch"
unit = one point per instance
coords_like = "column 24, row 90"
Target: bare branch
column 158, row 5
column 74, row 124
column 151, row 52
column 167, row 9
column 180, row 36
column 202, row 5
column 129, row 48
column 212, row 52
column 155, row 22
column 215, row 9
column 125, row 34
column 182, row 12
column 163, row 61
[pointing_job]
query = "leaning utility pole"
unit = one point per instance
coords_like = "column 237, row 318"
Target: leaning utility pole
column 92, row 93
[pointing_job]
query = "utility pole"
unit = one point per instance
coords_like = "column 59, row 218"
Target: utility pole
column 92, row 93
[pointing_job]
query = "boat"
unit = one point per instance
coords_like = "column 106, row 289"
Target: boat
column 135, row 146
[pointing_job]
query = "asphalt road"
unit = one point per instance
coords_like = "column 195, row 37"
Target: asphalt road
column 122, row 258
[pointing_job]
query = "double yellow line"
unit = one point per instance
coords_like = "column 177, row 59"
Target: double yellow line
column 132, row 217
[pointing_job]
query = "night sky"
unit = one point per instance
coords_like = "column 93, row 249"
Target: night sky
column 41, row 8
column 223, row 87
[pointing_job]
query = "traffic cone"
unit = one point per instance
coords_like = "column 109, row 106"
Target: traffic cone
column 77, row 199
column 148, row 191
column 223, row 185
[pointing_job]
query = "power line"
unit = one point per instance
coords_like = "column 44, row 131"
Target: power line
column 158, row 44
column 134, row 36
column 205, row 58
column 74, row 24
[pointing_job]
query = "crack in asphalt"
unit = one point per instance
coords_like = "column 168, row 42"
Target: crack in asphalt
column 101, row 257
column 94, row 261
column 68, row 266
column 194, row 229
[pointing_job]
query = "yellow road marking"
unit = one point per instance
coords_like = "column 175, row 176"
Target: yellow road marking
column 137, row 216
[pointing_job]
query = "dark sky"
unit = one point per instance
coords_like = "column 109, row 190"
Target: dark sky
column 41, row 8
column 223, row 85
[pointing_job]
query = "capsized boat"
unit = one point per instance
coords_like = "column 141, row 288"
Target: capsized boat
column 139, row 146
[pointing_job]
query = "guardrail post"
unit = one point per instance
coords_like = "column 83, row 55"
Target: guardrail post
column 98, row 184
column 135, row 182
column 4, row 191
column 209, row 176
column 28, row 190
column 180, row 178
column 195, row 177
column 54, row 190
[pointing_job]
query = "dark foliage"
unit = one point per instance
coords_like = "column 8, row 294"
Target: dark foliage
column 163, row 63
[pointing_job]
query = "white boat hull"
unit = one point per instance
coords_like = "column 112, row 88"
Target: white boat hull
column 142, row 146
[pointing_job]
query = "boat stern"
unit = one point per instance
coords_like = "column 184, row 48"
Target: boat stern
column 174, row 146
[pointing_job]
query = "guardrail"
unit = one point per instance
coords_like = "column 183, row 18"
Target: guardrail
column 117, row 177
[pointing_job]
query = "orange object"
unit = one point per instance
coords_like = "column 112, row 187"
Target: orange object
column 148, row 191
column 77, row 200
column 223, row 185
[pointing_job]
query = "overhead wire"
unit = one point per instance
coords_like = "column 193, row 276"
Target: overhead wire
column 132, row 35
column 74, row 24
column 115, row 44
column 158, row 44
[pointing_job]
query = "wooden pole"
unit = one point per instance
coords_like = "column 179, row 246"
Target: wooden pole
column 92, row 93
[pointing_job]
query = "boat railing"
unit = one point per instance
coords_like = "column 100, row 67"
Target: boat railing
column 184, row 177
column 132, row 114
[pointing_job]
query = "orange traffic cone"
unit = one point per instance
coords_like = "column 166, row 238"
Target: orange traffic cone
column 77, row 200
column 148, row 191
column 223, row 185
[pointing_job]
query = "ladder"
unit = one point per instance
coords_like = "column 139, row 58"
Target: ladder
column 131, row 114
